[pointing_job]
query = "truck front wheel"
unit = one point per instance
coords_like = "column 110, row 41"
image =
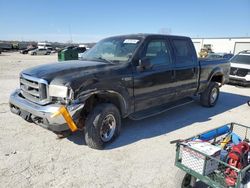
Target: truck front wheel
column 210, row 96
column 102, row 125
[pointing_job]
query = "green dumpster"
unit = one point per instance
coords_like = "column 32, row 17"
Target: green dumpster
column 70, row 53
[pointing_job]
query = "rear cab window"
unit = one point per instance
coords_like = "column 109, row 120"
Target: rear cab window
column 183, row 52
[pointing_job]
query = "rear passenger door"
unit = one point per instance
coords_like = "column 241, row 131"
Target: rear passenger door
column 154, row 86
column 186, row 67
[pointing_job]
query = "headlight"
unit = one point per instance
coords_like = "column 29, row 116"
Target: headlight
column 60, row 91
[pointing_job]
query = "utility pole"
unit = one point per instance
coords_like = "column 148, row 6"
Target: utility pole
column 71, row 40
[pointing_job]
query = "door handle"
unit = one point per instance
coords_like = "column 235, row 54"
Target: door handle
column 194, row 70
column 173, row 74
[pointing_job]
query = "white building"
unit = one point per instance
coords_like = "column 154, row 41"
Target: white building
column 227, row 45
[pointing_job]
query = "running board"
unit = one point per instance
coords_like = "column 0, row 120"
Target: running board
column 160, row 109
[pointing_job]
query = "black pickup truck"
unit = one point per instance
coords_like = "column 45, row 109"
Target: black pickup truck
column 133, row 76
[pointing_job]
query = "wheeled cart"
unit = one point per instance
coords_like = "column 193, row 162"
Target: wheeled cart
column 213, row 158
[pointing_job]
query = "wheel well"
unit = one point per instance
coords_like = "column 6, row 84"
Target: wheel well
column 95, row 99
column 217, row 78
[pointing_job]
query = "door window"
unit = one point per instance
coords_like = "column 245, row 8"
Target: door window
column 157, row 52
column 183, row 51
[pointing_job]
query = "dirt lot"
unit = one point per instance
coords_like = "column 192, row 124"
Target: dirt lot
column 31, row 156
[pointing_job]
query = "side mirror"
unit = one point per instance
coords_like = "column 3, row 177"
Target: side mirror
column 144, row 64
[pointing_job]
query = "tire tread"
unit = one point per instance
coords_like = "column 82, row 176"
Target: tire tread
column 91, row 134
column 205, row 96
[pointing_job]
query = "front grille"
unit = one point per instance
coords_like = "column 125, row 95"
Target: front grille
column 34, row 89
column 238, row 72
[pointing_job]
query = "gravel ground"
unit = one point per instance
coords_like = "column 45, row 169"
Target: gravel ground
column 31, row 156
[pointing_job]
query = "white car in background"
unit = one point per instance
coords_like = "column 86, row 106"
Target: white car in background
column 240, row 68
column 40, row 51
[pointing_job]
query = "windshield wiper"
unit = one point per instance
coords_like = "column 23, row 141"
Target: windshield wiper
column 100, row 58
column 104, row 60
column 84, row 59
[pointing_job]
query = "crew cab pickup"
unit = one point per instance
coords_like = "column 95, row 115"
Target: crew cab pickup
column 133, row 76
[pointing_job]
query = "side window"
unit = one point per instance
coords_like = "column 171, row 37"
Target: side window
column 183, row 51
column 157, row 52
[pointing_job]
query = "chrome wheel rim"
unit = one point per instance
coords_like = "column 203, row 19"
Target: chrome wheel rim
column 108, row 127
column 214, row 95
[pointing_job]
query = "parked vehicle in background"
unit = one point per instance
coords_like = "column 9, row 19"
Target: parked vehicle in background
column 44, row 45
column 51, row 50
column 6, row 46
column 80, row 51
column 133, row 76
column 40, row 51
column 25, row 51
column 219, row 56
column 227, row 56
column 240, row 68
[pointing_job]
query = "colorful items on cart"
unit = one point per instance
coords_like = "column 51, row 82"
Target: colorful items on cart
column 214, row 133
column 233, row 151
column 238, row 158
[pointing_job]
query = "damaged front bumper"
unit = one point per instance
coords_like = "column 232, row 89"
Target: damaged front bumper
column 43, row 115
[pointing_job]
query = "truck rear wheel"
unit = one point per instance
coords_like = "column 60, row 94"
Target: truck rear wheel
column 210, row 96
column 103, row 124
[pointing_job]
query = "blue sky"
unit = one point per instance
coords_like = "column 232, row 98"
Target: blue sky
column 92, row 20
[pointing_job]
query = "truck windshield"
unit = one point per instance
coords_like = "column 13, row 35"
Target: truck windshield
column 113, row 50
column 242, row 59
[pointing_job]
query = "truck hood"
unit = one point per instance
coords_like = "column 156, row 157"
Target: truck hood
column 63, row 72
column 239, row 65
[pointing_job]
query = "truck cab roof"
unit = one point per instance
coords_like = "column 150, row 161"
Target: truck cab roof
column 148, row 35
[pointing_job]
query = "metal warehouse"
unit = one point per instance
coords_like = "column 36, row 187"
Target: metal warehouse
column 225, row 45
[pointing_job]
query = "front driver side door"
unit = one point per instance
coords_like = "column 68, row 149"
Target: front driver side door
column 155, row 85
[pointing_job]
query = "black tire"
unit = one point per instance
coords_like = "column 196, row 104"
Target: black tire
column 210, row 96
column 95, row 123
column 248, row 102
column 183, row 180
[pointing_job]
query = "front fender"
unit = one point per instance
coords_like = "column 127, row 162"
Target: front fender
column 123, row 100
